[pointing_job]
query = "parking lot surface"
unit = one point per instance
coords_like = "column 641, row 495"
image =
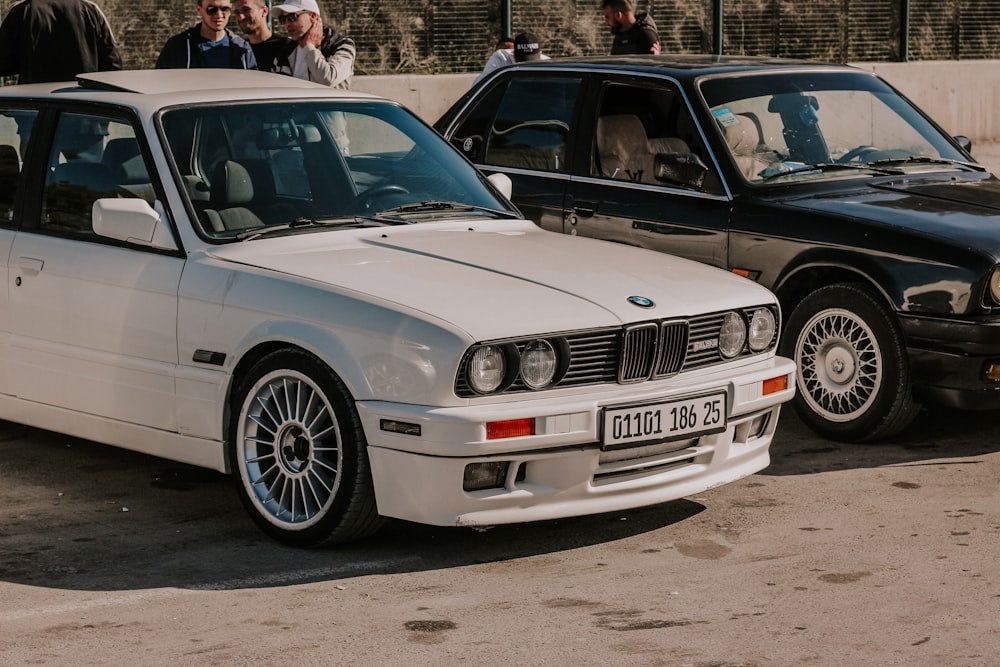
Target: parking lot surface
column 834, row 555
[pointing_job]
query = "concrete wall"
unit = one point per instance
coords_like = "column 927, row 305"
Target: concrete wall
column 962, row 96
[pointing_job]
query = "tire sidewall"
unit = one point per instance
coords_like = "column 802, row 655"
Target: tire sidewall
column 891, row 398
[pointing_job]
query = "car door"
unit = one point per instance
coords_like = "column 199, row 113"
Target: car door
column 644, row 175
column 92, row 321
column 523, row 127
column 15, row 131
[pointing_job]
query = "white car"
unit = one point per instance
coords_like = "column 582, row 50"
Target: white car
column 313, row 291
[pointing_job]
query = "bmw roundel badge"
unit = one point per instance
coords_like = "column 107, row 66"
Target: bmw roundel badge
column 641, row 301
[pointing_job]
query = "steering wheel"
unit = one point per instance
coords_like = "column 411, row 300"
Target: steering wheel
column 364, row 200
column 856, row 154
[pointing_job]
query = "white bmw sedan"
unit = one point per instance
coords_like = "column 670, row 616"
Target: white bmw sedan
column 311, row 290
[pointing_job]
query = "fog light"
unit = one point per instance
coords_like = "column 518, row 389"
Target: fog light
column 490, row 475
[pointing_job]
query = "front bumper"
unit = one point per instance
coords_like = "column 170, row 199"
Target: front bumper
column 949, row 359
column 562, row 471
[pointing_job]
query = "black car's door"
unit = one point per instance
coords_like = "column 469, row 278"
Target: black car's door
column 643, row 175
column 523, row 127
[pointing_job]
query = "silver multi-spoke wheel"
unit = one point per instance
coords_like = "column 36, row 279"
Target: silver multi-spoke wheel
column 840, row 365
column 854, row 378
column 289, row 441
column 299, row 454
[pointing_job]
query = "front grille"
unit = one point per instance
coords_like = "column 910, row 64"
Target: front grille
column 634, row 353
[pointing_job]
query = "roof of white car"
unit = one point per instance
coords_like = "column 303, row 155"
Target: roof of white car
column 153, row 89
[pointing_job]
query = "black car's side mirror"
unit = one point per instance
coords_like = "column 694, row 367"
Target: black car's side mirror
column 680, row 169
column 964, row 142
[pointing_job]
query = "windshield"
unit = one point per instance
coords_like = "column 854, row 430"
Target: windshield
column 255, row 167
column 778, row 126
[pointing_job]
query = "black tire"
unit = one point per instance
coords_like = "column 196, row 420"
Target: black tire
column 853, row 380
column 298, row 453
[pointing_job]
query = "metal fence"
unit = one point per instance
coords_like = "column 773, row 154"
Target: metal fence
column 431, row 36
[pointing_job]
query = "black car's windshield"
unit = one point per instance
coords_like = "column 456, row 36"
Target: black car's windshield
column 798, row 125
column 250, row 167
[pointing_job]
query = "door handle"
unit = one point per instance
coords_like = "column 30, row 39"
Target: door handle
column 585, row 208
column 30, row 265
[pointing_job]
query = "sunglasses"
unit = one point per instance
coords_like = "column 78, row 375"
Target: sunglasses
column 212, row 10
column 286, row 18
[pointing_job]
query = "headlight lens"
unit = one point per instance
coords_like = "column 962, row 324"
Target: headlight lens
column 995, row 284
column 761, row 329
column 732, row 336
column 487, row 368
column 538, row 364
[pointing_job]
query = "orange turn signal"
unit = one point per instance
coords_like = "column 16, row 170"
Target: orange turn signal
column 512, row 428
column 772, row 385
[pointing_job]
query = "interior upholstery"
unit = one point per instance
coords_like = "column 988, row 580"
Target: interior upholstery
column 623, row 149
column 232, row 191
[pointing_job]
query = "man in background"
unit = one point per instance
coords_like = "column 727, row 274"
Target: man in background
column 321, row 55
column 54, row 40
column 524, row 48
column 270, row 50
column 208, row 44
column 634, row 33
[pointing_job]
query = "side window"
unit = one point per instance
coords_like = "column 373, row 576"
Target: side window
column 92, row 157
column 15, row 132
column 532, row 123
column 643, row 129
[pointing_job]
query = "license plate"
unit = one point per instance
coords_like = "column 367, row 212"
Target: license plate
column 670, row 420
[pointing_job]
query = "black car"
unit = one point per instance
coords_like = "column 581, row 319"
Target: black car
column 877, row 231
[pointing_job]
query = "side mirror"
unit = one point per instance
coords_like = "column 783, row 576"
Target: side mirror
column 502, row 183
column 685, row 169
column 133, row 221
column 964, row 142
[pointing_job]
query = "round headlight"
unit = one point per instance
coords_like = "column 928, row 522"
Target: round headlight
column 538, row 364
column 487, row 368
column 732, row 335
column 761, row 329
column 995, row 284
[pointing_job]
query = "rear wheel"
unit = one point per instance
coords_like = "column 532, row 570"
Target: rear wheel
column 298, row 453
column 853, row 379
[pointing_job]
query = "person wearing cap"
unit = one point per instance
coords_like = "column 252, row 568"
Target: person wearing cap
column 208, row 44
column 321, row 55
column 524, row 48
column 271, row 50
column 634, row 33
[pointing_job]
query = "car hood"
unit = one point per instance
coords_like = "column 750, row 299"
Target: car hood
column 960, row 212
column 500, row 278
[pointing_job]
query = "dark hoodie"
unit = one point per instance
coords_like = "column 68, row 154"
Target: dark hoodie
column 642, row 37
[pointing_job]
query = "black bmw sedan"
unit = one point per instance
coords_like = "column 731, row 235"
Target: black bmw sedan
column 878, row 232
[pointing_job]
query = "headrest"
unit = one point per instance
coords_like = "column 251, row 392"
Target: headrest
column 9, row 162
column 741, row 135
column 231, row 185
column 621, row 134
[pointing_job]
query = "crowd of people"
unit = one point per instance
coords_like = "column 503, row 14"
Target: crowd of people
column 54, row 40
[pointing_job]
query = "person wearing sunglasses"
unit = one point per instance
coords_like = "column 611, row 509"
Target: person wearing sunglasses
column 54, row 40
column 208, row 44
column 322, row 55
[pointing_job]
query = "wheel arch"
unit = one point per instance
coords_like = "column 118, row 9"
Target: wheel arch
column 803, row 280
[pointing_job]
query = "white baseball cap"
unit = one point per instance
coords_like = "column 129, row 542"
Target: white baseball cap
column 293, row 6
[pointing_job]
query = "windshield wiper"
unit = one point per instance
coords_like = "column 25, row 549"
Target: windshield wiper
column 301, row 223
column 828, row 166
column 917, row 159
column 437, row 205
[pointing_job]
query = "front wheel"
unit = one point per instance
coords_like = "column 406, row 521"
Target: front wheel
column 298, row 453
column 853, row 379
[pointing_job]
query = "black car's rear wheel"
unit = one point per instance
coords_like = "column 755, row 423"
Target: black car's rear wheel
column 298, row 453
column 853, row 379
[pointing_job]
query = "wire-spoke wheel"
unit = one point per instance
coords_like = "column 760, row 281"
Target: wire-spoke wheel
column 853, row 380
column 299, row 454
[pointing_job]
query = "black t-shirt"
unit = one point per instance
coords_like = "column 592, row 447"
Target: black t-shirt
column 272, row 54
column 640, row 38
